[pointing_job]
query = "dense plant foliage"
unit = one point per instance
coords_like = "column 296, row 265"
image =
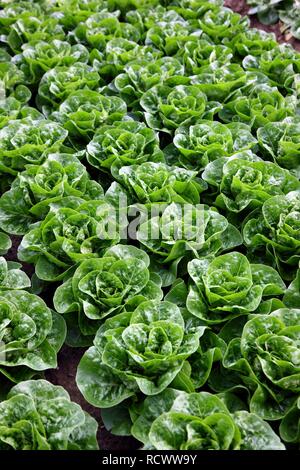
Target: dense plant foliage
column 31, row 333
column 264, row 358
column 149, row 163
column 105, row 286
column 144, row 350
column 201, row 421
column 40, row 416
column 37, row 188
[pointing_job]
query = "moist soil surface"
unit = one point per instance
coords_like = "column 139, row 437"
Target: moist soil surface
column 241, row 7
column 68, row 358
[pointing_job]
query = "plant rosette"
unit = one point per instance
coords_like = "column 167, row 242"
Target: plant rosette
column 207, row 141
column 274, row 230
column 11, row 276
column 36, row 188
column 37, row 415
column 228, row 286
column 140, row 76
column 72, row 231
column 177, row 420
column 244, row 184
column 38, row 57
column 106, row 286
column 185, row 231
column 266, row 359
column 280, row 141
column 31, row 335
column 143, row 351
column 84, row 111
column 123, row 143
column 158, row 182
column 168, row 108
column 28, row 141
column 59, row 82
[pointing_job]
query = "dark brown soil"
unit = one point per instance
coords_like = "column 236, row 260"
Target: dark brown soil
column 64, row 375
column 12, row 255
column 240, row 6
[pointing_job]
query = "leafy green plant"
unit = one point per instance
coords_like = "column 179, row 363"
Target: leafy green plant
column 222, row 23
column 271, row 11
column 265, row 9
column 193, row 9
column 13, row 109
column 228, row 286
column 167, row 108
column 289, row 426
column 280, row 142
column 292, row 294
column 168, row 37
column 140, row 76
column 40, row 416
column 40, row 56
column 28, row 141
column 149, row 159
column 11, row 77
column 187, row 231
column 218, row 82
column 158, row 182
column 33, row 28
column 202, row 53
column 264, row 104
column 72, row 231
column 266, row 358
column 280, row 64
column 119, row 53
column 105, row 286
column 74, row 12
column 10, row 13
column 245, row 184
column 124, row 143
column 35, row 189
column 291, row 18
column 5, row 243
column 275, row 229
column 31, row 333
column 11, row 277
column 253, row 42
column 154, row 13
column 144, row 350
column 101, row 27
column 85, row 110
column 59, row 82
column 208, row 140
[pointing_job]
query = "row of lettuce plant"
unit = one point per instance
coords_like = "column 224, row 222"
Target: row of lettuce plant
column 182, row 111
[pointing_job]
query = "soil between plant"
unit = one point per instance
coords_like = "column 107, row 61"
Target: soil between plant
column 68, row 358
column 240, row 6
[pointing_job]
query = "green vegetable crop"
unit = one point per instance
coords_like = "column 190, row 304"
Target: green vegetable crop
column 40, row 416
column 150, row 187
